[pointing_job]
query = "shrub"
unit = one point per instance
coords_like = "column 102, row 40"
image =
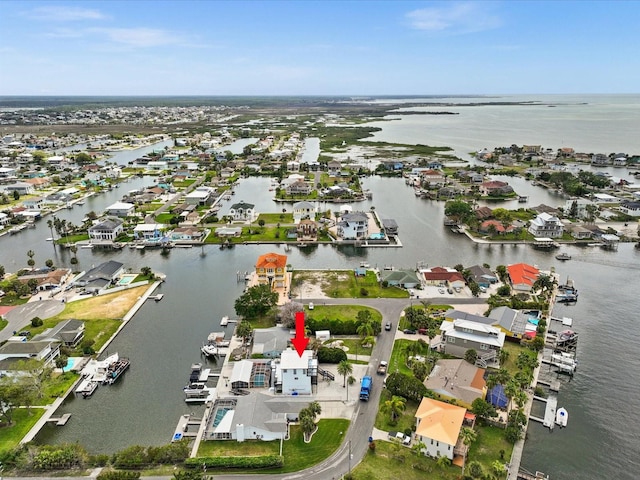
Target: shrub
column 36, row 322
column 118, row 475
column 331, row 355
column 264, row 461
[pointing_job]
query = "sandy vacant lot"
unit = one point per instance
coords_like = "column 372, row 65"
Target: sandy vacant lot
column 114, row 305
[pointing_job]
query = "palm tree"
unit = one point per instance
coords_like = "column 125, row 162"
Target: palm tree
column 468, row 435
column 344, row 369
column 394, row 407
column 503, row 356
column 511, row 390
column 314, row 409
column 443, row 462
column 306, row 422
column 365, row 329
column 50, row 225
column 368, row 341
column 31, row 262
column 520, row 398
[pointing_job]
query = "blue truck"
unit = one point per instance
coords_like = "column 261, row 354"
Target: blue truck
column 365, row 388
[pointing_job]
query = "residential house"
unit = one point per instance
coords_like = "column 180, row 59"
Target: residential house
column 107, row 229
column 153, row 232
column 303, row 210
column 227, row 172
column 200, row 196
column 47, row 279
column 630, row 208
column 400, row 278
column 443, row 277
column 581, row 207
column 353, row 226
column 307, row 230
column 547, row 226
column 34, row 203
column 100, row 277
column 23, row 188
column 257, row 416
column 39, row 182
column 296, row 373
column 270, row 342
column 579, row 233
column 494, row 226
column 271, row 269
column 333, row 168
column 190, row 217
column 482, row 275
column 68, row 332
column 495, row 187
column 483, row 213
column 187, row 234
column 390, row 226
column 293, row 166
column 522, row 276
column 433, row 178
column 462, row 335
column 4, row 219
column 121, row 209
column 438, row 426
column 45, row 351
column 299, row 187
column 457, row 380
column 514, row 323
column 243, row 211
column 599, row 160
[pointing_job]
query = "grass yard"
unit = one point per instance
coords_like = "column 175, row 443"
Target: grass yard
column 344, row 284
column 486, row 448
column 250, row 448
column 396, row 461
column 398, row 363
column 3, row 323
column 23, row 420
column 58, row 384
column 407, row 420
column 274, row 218
column 341, row 312
column 514, row 350
column 353, row 344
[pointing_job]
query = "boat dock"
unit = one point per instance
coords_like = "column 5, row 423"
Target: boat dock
column 224, row 321
column 157, row 297
column 553, row 385
column 549, row 419
column 60, row 421
column 525, row 475
column 187, row 427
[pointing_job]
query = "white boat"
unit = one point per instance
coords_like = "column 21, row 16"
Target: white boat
column 565, row 361
column 563, row 256
column 562, row 416
column 209, row 350
column 86, row 387
column 50, row 239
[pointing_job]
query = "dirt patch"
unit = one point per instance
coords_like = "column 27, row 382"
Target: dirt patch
column 317, row 284
column 114, row 305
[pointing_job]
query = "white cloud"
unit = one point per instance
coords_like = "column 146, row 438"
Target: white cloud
column 455, row 18
column 140, row 37
column 64, row 14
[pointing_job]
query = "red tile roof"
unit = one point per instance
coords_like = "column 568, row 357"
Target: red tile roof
column 440, row 273
column 271, row 260
column 522, row 273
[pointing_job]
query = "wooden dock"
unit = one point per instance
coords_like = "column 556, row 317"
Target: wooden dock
column 549, row 419
column 525, row 475
column 554, row 384
column 187, row 427
column 157, row 297
column 60, row 421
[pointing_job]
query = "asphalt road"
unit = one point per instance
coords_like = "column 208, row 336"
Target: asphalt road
column 20, row 317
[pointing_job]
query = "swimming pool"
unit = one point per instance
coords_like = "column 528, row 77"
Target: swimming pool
column 71, row 362
column 126, row 279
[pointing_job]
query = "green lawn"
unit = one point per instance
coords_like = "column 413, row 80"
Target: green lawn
column 391, row 461
column 407, row 420
column 58, row 385
column 3, row 323
column 273, row 218
column 397, row 363
column 164, row 218
column 297, row 454
column 486, row 448
column 514, row 350
column 23, row 420
column 353, row 344
column 341, row 312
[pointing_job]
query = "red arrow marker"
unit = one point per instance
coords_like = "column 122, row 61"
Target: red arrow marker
column 300, row 341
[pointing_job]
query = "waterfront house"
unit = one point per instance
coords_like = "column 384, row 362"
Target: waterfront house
column 580, row 205
column 227, row 172
column 257, row 416
column 299, row 187
column 153, row 232
column 46, row 279
column 482, row 275
column 432, row 178
column 303, row 210
column 33, row 203
column 522, row 276
column 271, row 269
column 121, row 209
column 333, row 168
column 187, row 234
column 495, row 187
column 579, row 233
column 200, row 196
column 443, row 277
column 68, row 332
column 457, row 380
column 438, row 426
column 307, row 230
column 514, row 323
column 547, row 226
column 45, row 351
column 227, row 232
column 462, row 335
column 400, row 278
column 243, row 211
column 107, row 229
column 4, row 219
column 100, row 277
column 270, row 342
column 488, row 226
column 353, row 226
column 390, row 226
column 296, row 373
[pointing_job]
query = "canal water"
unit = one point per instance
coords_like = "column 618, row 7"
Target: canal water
column 163, row 339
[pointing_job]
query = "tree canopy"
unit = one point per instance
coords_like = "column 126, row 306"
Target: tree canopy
column 256, row 301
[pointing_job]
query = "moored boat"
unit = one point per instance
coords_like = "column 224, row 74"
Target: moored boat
column 562, row 416
column 563, row 256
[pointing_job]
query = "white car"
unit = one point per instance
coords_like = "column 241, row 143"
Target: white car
column 311, row 307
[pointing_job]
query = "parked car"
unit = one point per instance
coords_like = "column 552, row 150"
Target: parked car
column 311, row 307
column 387, row 326
column 408, row 331
column 441, row 291
column 406, row 440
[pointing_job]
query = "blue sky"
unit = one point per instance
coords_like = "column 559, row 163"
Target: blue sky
column 318, row 48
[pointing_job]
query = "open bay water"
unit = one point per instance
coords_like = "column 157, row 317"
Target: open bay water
column 163, row 339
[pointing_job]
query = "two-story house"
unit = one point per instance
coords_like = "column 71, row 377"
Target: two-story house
column 547, row 226
column 296, row 372
column 121, row 209
column 107, row 229
column 438, row 426
column 299, row 187
column 303, row 210
column 353, row 226
column 243, row 211
column 271, row 269
column 462, row 335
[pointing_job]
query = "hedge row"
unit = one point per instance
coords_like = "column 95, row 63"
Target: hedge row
column 264, row 461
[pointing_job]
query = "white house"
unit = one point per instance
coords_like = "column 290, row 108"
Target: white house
column 108, row 229
column 200, row 196
column 303, row 210
column 546, row 225
column 46, row 351
column 243, row 211
column 353, row 226
column 149, row 231
column 438, row 426
column 296, row 372
column 581, row 206
column 121, row 209
column 631, row 208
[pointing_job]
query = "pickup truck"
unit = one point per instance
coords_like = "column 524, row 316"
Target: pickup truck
column 401, row 437
column 382, row 368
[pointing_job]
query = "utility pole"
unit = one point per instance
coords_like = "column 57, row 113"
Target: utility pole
column 350, row 456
